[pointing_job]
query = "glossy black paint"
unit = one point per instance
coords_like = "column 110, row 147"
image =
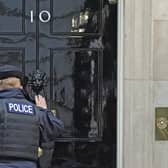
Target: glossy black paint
column 75, row 16
column 77, row 50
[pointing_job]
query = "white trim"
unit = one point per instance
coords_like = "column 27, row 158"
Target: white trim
column 120, row 81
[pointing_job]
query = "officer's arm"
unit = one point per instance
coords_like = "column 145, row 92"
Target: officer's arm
column 50, row 126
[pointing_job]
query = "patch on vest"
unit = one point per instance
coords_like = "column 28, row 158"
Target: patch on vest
column 20, row 108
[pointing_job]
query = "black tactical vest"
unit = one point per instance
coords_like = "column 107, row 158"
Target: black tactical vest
column 19, row 129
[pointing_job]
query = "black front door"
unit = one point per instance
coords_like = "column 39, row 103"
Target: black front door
column 74, row 43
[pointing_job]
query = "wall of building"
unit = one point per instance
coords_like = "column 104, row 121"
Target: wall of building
column 160, row 72
column 145, row 81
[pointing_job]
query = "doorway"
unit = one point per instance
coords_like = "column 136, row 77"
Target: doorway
column 76, row 49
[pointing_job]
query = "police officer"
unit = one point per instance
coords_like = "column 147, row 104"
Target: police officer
column 23, row 125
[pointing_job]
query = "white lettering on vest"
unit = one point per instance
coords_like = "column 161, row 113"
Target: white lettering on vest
column 20, row 108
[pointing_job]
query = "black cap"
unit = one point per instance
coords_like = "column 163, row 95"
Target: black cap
column 10, row 71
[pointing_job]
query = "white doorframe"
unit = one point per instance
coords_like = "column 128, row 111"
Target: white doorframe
column 120, row 82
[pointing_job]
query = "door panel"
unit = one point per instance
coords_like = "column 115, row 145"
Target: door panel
column 13, row 56
column 17, row 35
column 11, row 14
column 75, row 90
column 74, row 87
column 75, row 16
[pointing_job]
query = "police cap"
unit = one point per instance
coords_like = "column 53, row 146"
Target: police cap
column 10, row 71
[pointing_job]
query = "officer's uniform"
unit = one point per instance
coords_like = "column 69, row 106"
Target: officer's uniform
column 23, row 126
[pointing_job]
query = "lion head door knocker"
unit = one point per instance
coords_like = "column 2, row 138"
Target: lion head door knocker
column 37, row 81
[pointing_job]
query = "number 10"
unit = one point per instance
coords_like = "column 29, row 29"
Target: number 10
column 40, row 16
